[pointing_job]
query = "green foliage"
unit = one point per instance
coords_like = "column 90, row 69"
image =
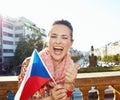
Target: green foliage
column 98, row 69
column 111, row 58
column 20, row 52
column 26, row 46
column 75, row 58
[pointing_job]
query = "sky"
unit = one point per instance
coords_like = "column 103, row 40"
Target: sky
column 95, row 22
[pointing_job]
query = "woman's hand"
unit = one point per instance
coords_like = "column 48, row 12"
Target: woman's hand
column 71, row 73
column 59, row 93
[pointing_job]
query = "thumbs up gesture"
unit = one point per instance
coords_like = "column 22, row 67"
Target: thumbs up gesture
column 71, row 73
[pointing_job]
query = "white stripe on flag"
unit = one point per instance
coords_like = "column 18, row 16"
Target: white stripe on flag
column 18, row 94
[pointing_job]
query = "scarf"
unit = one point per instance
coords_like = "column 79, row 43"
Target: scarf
column 59, row 73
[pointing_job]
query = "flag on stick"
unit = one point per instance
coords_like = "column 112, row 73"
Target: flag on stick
column 36, row 76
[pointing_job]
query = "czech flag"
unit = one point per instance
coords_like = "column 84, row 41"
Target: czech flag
column 36, row 76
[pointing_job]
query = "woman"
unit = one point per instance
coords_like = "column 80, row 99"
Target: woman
column 59, row 63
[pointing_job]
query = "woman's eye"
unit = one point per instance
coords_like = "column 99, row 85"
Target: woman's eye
column 65, row 37
column 53, row 36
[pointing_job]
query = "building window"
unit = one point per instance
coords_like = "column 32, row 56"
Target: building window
column 10, row 26
column 18, row 27
column 18, row 35
column 7, row 34
column 8, row 50
column 0, row 52
column 7, row 42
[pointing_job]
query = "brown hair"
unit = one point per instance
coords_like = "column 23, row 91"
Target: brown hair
column 66, row 23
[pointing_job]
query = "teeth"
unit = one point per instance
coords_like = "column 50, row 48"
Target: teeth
column 58, row 48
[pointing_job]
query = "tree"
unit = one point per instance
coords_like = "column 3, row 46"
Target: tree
column 19, row 54
column 116, row 58
column 26, row 46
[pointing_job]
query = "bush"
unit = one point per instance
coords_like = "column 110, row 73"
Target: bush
column 98, row 69
column 75, row 58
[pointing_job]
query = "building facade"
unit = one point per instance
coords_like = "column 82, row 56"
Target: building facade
column 112, row 48
column 11, row 29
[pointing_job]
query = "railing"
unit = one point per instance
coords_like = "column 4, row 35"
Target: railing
column 7, row 84
column 84, row 82
column 101, row 81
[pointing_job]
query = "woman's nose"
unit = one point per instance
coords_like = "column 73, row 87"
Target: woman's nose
column 58, row 40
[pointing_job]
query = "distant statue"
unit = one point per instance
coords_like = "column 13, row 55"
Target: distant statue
column 92, row 58
column 92, row 48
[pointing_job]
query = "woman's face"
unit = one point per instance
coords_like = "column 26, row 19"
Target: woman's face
column 59, row 41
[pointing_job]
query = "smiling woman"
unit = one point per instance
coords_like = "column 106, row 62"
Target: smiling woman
column 60, row 41
column 58, row 60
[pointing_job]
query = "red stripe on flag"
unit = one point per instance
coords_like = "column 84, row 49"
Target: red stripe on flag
column 32, row 85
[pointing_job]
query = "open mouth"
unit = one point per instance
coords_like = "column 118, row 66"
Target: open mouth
column 58, row 50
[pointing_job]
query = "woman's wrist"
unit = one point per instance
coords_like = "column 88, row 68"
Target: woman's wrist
column 70, row 87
